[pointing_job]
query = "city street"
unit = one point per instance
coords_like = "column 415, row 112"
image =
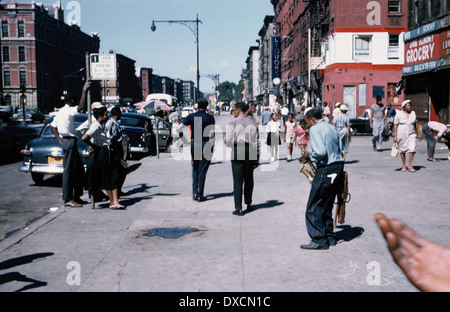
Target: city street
column 166, row 242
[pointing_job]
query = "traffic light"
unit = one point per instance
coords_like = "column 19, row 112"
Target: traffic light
column 23, row 88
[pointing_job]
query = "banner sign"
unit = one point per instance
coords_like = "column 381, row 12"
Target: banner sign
column 276, row 57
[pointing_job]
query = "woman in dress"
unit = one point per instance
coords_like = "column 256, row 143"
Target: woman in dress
column 291, row 134
column 406, row 131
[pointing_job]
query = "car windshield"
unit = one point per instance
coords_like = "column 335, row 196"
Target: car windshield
column 132, row 122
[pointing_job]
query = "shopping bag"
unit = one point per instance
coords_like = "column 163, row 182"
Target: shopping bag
column 394, row 151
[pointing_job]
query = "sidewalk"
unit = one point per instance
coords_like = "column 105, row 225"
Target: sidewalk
column 111, row 250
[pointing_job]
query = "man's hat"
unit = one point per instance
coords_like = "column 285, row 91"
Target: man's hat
column 97, row 105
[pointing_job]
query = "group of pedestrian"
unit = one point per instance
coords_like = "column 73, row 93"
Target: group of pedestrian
column 406, row 131
column 106, row 169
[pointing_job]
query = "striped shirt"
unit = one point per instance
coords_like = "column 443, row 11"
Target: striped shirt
column 97, row 134
column 341, row 121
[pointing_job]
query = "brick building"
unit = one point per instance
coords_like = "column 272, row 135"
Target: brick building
column 341, row 51
column 363, row 53
column 42, row 52
column 126, row 87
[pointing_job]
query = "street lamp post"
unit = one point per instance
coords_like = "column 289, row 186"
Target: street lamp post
column 193, row 26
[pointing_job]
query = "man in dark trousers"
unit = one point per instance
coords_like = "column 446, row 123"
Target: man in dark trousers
column 63, row 126
column 202, row 138
column 243, row 137
column 327, row 155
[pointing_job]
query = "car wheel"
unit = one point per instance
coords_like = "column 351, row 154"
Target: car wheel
column 354, row 131
column 37, row 177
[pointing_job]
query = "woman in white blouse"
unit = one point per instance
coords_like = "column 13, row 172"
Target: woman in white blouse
column 273, row 130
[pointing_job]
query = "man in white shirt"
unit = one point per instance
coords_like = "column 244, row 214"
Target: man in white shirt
column 63, row 127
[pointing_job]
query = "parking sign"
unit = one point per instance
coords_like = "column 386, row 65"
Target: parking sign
column 103, row 67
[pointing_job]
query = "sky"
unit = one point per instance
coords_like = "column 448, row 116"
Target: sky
column 229, row 28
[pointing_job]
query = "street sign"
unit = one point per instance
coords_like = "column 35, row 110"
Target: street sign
column 103, row 67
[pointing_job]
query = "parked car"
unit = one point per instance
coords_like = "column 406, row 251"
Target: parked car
column 165, row 133
column 32, row 115
column 139, row 129
column 44, row 156
column 13, row 136
column 361, row 124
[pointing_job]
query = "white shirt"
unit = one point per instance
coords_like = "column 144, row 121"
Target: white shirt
column 64, row 121
column 285, row 111
column 273, row 126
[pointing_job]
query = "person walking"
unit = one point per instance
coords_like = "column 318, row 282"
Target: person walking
column 101, row 171
column 243, row 137
column 114, row 134
column 303, row 137
column 342, row 123
column 63, row 127
column 429, row 129
column 390, row 115
column 326, row 112
column 377, row 123
column 273, row 130
column 326, row 153
column 202, row 144
column 291, row 133
column 406, row 130
column 266, row 117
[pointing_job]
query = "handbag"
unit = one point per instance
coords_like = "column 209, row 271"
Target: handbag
column 395, row 151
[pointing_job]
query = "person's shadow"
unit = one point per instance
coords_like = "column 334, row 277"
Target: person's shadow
column 16, row 276
column 348, row 233
column 267, row 205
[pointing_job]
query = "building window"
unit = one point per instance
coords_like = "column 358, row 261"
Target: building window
column 6, row 57
column 362, row 45
column 23, row 77
column 5, row 29
column 394, row 7
column 7, row 78
column 393, row 49
column 22, row 57
column 21, row 29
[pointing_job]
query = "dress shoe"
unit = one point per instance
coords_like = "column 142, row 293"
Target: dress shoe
column 313, row 246
column 250, row 208
column 195, row 197
column 238, row 212
column 201, row 199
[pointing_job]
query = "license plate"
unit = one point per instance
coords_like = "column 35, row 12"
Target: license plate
column 55, row 160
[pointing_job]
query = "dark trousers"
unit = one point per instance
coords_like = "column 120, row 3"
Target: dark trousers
column 242, row 167
column 201, row 162
column 319, row 219
column 73, row 176
column 431, row 141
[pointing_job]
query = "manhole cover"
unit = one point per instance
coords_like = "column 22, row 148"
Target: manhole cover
column 170, row 233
